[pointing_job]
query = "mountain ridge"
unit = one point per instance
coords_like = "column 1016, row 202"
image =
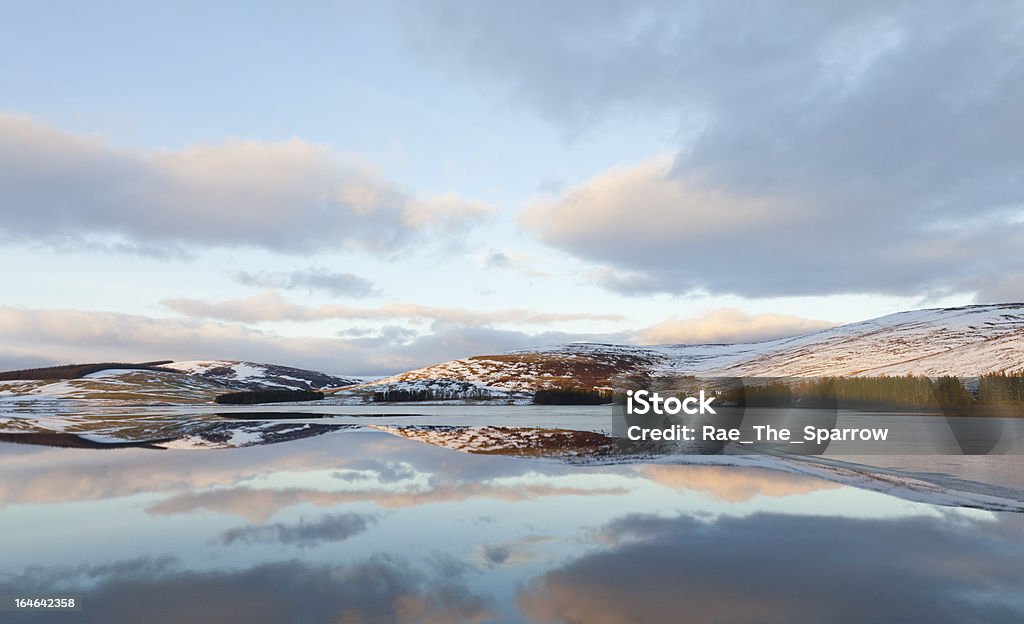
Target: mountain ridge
column 196, row 381
column 963, row 341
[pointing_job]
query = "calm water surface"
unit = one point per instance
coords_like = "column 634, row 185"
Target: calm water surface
column 363, row 526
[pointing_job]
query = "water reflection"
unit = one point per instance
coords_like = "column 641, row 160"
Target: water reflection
column 780, row 568
column 376, row 590
column 329, row 528
column 364, row 526
column 733, row 485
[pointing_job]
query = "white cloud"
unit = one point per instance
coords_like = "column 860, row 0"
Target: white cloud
column 66, row 336
column 871, row 147
column 37, row 337
column 522, row 263
column 82, row 336
column 654, row 229
column 271, row 306
column 728, row 325
column 448, row 211
column 645, row 204
column 644, row 216
column 289, row 196
column 312, row 279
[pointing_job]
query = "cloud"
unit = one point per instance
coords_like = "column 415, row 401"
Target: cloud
column 448, row 342
column 83, row 336
column 516, row 552
column 551, row 185
column 44, row 337
column 373, row 590
column 779, row 568
column 289, row 196
column 497, row 260
column 447, row 211
column 328, row 528
column 312, row 279
column 270, row 306
column 644, row 204
column 12, row 359
column 1005, row 288
column 393, row 472
column 868, row 148
column 512, row 261
column 729, row 325
column 383, row 472
column 259, row 504
column 658, row 232
column 733, row 484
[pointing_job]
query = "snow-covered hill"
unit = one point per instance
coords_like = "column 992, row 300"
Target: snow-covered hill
column 256, row 376
column 129, row 386
column 177, row 382
column 965, row 341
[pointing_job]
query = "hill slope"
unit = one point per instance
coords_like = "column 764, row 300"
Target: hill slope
column 255, row 376
column 964, row 341
column 174, row 382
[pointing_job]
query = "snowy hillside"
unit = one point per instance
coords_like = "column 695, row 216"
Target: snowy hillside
column 177, row 382
column 253, row 376
column 123, row 386
column 955, row 341
column 963, row 341
column 518, row 374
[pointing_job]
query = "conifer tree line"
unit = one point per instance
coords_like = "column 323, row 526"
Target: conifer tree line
column 572, row 396
column 887, row 392
column 252, row 397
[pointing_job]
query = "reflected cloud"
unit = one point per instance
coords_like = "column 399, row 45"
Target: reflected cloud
column 449, row 538
column 775, row 568
column 510, row 553
column 40, row 475
column 86, row 574
column 257, row 505
column 734, row 484
column 383, row 472
column 376, row 590
column 329, row 528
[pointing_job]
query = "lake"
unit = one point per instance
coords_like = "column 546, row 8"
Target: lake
column 357, row 524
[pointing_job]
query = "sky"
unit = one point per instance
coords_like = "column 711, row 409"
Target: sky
column 366, row 188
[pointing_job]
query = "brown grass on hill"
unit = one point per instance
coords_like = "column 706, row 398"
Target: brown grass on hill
column 560, row 370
